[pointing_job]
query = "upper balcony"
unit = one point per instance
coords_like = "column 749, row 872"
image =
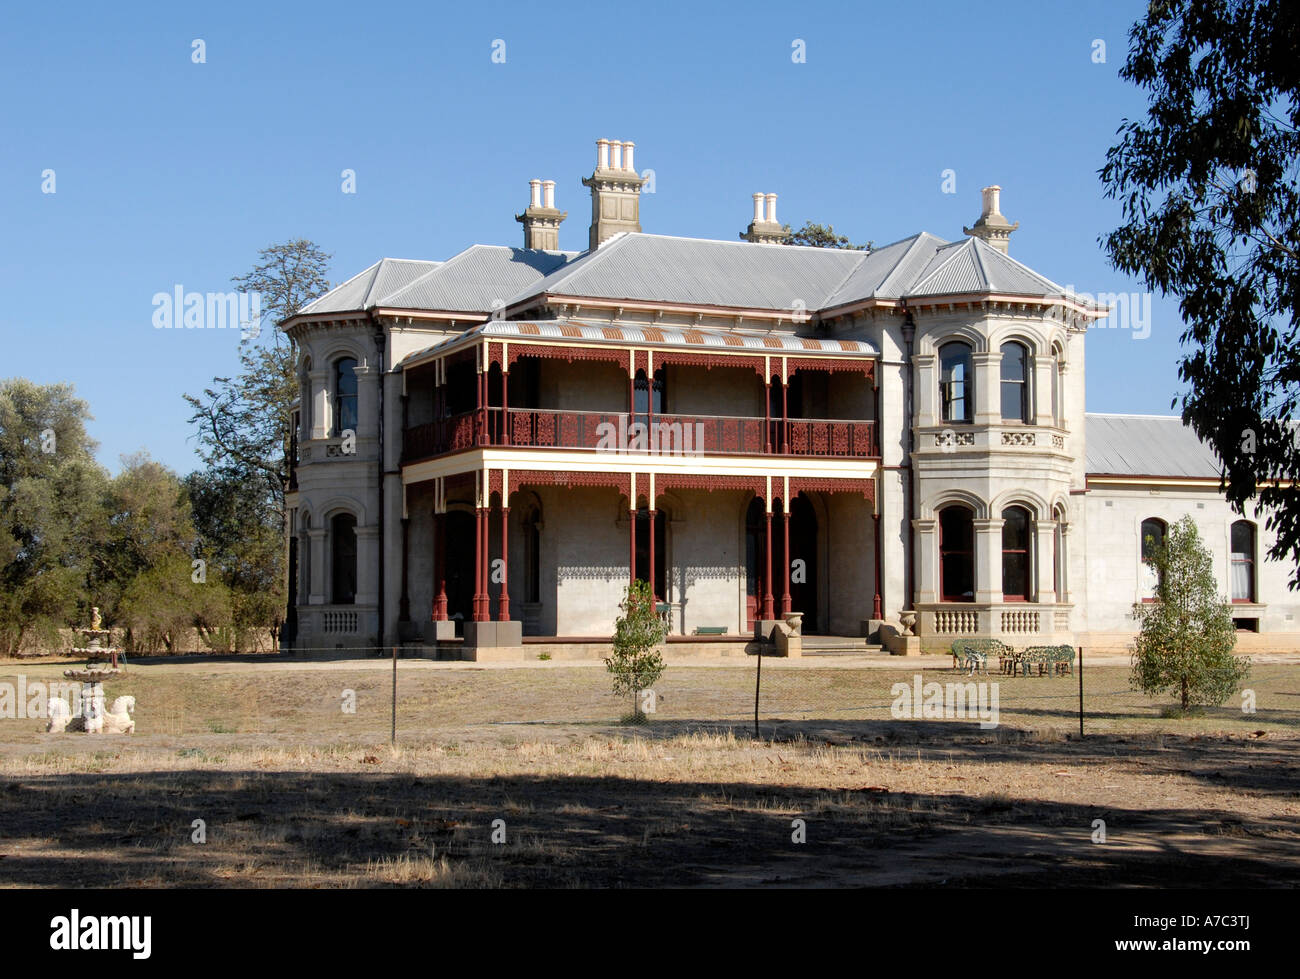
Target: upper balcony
column 641, row 391
column 538, row 428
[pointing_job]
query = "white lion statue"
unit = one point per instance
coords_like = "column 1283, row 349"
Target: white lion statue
column 118, row 719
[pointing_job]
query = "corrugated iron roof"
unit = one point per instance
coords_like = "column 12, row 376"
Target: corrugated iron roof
column 691, row 271
column 638, row 267
column 690, row 338
column 476, row 279
column 359, row 292
column 1146, row 445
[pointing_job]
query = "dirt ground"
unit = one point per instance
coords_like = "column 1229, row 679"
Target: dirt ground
column 294, row 790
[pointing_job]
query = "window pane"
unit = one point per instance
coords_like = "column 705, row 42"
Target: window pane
column 1015, row 574
column 1153, row 535
column 956, row 554
column 1013, row 402
column 1015, row 528
column 1013, row 362
column 345, row 395
column 1243, row 543
column 343, row 541
column 954, row 382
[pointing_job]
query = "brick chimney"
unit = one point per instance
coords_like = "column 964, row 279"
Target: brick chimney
column 765, row 228
column 992, row 226
column 541, row 219
column 615, row 191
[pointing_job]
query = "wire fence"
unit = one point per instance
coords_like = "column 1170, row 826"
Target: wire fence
column 375, row 693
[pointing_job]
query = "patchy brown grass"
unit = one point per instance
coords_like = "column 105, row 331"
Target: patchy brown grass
column 294, row 792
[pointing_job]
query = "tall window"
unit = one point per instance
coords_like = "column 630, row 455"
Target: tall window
column 1015, row 385
column 956, row 554
column 345, row 395
column 343, row 545
column 956, row 387
column 1016, row 555
column 533, row 556
column 1243, row 561
column 1153, row 536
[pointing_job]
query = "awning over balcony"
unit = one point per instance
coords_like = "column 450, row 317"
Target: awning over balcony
column 704, row 342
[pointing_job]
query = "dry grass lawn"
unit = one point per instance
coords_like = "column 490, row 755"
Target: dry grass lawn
column 294, row 791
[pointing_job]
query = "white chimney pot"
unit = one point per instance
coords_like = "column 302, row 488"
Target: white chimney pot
column 627, row 156
column 615, row 154
column 771, row 208
column 602, row 154
column 535, row 191
column 758, row 208
column 992, row 199
column 548, row 193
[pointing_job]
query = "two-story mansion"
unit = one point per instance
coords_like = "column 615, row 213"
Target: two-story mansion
column 490, row 447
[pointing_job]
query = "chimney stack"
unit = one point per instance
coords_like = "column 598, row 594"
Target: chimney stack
column 764, row 229
column 540, row 219
column 992, row 226
column 615, row 191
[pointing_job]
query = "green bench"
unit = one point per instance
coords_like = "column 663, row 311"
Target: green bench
column 973, row 654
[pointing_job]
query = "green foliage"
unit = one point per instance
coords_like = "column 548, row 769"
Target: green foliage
column 1209, row 185
column 635, row 663
column 1186, row 636
column 821, row 236
column 51, row 509
column 163, row 602
column 244, row 433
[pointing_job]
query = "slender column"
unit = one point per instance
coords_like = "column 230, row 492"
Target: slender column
column 786, row 608
column 767, row 415
column 767, row 583
column 505, row 404
column 631, row 543
column 404, row 604
column 440, row 567
column 877, row 607
column 785, row 415
column 503, row 603
column 653, row 579
column 478, row 564
column 650, row 425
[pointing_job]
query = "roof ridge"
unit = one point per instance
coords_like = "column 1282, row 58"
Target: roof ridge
column 347, row 281
column 916, row 241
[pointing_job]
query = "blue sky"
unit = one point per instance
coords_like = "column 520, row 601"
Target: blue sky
column 169, row 172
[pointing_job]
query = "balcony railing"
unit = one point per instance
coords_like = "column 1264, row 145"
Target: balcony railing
column 615, row 432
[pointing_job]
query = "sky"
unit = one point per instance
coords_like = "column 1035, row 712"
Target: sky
column 170, row 170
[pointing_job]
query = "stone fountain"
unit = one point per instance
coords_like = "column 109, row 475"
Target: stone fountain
column 98, row 651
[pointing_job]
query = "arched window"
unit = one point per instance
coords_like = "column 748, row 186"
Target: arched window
column 1017, row 555
column 1015, row 383
column 1243, row 561
column 1153, row 536
column 956, row 383
column 956, row 554
column 345, row 395
column 343, row 548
